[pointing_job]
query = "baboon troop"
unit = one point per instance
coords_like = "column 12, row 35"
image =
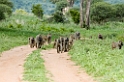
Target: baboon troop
column 64, row 44
column 39, row 40
column 118, row 45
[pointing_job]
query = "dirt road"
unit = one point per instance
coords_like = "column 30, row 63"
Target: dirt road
column 60, row 66
column 62, row 69
column 11, row 63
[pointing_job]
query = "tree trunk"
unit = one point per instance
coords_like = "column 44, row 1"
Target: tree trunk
column 87, row 16
column 81, row 13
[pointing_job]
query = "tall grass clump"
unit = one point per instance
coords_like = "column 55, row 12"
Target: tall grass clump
column 34, row 70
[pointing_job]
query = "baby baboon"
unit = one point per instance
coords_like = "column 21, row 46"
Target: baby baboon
column 100, row 37
column 31, row 42
column 49, row 38
column 118, row 44
column 66, row 44
column 58, row 45
column 39, row 41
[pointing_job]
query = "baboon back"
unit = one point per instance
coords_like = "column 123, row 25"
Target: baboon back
column 39, row 41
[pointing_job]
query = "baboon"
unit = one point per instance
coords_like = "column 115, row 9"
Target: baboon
column 39, row 41
column 66, row 44
column 54, row 44
column 118, row 45
column 31, row 42
column 70, row 42
column 58, row 45
column 49, row 38
column 100, row 37
column 44, row 39
column 77, row 35
column 62, row 42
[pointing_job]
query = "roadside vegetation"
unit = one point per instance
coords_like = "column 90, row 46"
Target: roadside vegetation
column 97, row 57
column 34, row 70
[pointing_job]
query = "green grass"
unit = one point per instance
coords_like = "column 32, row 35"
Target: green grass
column 34, row 70
column 97, row 57
column 14, row 34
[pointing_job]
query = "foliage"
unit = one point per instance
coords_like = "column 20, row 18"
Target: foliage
column 114, row 1
column 60, row 5
column 21, row 11
column 34, row 69
column 2, row 16
column 75, row 15
column 101, row 11
column 119, row 10
column 37, row 10
column 6, row 2
column 96, row 1
column 5, row 9
column 58, row 17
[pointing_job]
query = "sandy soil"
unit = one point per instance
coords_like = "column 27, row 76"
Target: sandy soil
column 11, row 63
column 62, row 69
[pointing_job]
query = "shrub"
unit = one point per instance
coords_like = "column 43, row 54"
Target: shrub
column 75, row 15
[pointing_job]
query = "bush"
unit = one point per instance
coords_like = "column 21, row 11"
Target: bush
column 119, row 11
column 37, row 10
column 102, row 11
column 75, row 15
column 58, row 17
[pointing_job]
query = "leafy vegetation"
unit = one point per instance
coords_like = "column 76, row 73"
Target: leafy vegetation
column 5, row 8
column 37, row 10
column 97, row 56
column 75, row 15
column 34, row 69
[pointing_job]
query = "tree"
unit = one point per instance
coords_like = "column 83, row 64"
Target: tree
column 81, row 13
column 75, row 14
column 60, row 5
column 87, row 16
column 58, row 17
column 102, row 11
column 6, row 2
column 5, row 8
column 119, row 10
column 37, row 10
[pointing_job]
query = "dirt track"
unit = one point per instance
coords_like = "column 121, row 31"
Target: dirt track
column 11, row 64
column 59, row 65
column 62, row 69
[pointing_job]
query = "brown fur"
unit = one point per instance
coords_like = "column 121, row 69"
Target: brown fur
column 31, row 42
column 118, row 45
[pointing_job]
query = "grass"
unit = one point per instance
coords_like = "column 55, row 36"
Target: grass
column 14, row 34
column 34, row 70
column 97, row 57
column 94, row 55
